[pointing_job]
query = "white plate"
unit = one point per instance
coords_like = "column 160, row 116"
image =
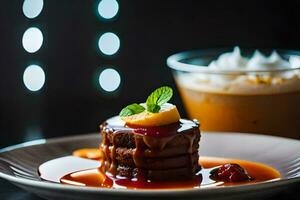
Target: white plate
column 18, row 164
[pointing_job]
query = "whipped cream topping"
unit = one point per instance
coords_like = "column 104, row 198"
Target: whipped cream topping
column 235, row 61
column 230, row 61
column 269, row 82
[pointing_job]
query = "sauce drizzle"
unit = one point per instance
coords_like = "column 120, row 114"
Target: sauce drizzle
column 95, row 177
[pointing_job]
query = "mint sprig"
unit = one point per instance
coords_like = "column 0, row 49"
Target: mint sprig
column 131, row 109
column 158, row 97
column 154, row 102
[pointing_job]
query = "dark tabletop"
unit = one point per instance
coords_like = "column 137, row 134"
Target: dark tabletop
column 11, row 192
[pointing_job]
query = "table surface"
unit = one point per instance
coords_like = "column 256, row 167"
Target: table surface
column 11, row 192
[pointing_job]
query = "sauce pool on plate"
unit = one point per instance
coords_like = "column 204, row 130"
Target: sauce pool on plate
column 96, row 178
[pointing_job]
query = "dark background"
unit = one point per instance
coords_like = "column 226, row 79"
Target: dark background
column 71, row 102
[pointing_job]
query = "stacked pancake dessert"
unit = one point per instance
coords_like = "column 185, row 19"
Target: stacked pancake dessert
column 148, row 146
column 150, row 142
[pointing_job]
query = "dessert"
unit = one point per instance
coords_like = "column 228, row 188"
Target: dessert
column 239, row 93
column 151, row 145
column 148, row 146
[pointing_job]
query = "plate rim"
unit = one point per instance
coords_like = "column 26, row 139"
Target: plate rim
column 56, row 186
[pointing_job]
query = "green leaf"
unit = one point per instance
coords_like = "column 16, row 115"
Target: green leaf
column 154, row 102
column 158, row 97
column 153, row 108
column 131, row 109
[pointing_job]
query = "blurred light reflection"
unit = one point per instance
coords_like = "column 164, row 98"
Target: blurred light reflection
column 109, row 43
column 108, row 8
column 109, row 80
column 32, row 39
column 32, row 8
column 34, row 77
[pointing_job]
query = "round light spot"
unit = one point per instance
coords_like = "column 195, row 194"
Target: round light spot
column 34, row 77
column 32, row 8
column 108, row 8
column 109, row 80
column 32, row 39
column 109, row 43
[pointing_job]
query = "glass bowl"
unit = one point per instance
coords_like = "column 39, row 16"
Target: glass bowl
column 255, row 101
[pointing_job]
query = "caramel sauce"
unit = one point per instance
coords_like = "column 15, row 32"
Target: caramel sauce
column 99, row 166
column 96, row 178
column 156, row 139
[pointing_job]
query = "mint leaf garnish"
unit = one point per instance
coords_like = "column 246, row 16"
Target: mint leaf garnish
column 131, row 109
column 153, row 108
column 158, row 97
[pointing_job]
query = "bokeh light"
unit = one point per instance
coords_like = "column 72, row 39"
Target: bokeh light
column 34, row 77
column 109, row 80
column 108, row 8
column 109, row 43
column 32, row 8
column 32, row 39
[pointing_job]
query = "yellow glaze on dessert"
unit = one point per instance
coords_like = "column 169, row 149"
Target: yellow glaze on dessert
column 168, row 114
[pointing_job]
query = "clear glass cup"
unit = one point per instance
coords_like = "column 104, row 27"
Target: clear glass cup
column 260, row 101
